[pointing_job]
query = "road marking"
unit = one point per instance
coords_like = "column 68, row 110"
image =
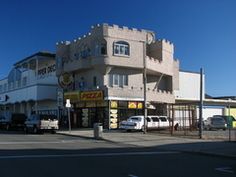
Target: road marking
column 225, row 169
column 38, row 142
column 132, row 175
column 87, row 155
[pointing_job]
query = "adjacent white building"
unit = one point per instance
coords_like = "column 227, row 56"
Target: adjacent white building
column 31, row 86
column 187, row 99
column 189, row 87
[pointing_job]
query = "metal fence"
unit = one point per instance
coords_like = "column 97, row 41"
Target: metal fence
column 186, row 116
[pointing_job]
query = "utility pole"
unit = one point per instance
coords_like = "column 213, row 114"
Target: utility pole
column 144, row 87
column 200, row 104
column 229, row 120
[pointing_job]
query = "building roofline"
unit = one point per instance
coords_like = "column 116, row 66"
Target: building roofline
column 3, row 78
column 225, row 97
column 41, row 53
column 194, row 72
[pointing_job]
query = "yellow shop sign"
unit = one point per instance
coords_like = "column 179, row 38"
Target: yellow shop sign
column 91, row 96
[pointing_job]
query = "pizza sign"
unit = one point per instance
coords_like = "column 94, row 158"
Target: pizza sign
column 91, row 96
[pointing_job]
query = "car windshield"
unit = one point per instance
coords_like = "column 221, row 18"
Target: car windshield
column 217, row 120
column 163, row 119
column 134, row 119
column 155, row 119
column 226, row 118
column 47, row 117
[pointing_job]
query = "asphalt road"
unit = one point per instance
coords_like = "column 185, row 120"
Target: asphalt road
column 64, row 156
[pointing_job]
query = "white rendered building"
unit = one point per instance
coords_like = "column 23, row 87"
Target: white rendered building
column 31, row 86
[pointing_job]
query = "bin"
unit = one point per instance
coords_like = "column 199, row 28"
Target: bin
column 97, row 130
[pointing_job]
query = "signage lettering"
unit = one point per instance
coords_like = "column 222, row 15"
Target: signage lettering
column 95, row 95
column 47, row 70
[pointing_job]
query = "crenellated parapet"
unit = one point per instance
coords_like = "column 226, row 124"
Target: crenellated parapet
column 106, row 29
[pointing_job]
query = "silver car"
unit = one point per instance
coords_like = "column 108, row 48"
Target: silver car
column 215, row 123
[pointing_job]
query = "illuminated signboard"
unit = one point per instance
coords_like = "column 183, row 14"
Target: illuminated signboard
column 135, row 105
column 140, row 105
column 73, row 96
column 132, row 105
column 91, row 96
column 114, row 104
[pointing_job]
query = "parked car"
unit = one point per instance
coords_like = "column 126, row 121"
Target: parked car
column 2, row 118
column 13, row 120
column 215, row 123
column 39, row 123
column 152, row 122
column 228, row 119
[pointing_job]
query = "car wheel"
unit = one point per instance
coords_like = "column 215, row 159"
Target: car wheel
column 25, row 129
column 53, row 131
column 208, row 128
column 35, row 130
column 7, row 127
column 142, row 129
column 128, row 130
column 224, row 129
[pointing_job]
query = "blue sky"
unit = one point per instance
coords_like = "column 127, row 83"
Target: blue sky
column 203, row 31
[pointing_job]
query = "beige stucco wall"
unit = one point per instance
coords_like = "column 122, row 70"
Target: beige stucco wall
column 159, row 60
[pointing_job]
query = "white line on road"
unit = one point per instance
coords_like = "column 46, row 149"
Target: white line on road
column 38, row 142
column 87, row 155
column 225, row 169
column 132, row 175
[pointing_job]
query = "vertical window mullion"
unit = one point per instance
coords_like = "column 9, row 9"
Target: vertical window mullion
column 111, row 80
column 121, row 83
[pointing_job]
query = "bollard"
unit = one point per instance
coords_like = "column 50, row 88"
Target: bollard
column 97, row 130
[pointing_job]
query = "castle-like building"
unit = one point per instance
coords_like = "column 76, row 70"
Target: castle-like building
column 106, row 69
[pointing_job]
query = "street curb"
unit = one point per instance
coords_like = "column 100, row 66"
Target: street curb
column 84, row 137
column 179, row 150
column 209, row 154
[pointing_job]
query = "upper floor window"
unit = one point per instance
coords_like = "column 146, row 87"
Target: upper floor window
column 121, row 48
column 19, row 83
column 59, row 63
column 101, row 48
column 118, row 80
column 10, row 85
column 5, row 87
column 24, row 81
column 1, row 90
column 95, row 81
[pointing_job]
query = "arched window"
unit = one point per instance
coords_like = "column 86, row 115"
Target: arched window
column 121, row 48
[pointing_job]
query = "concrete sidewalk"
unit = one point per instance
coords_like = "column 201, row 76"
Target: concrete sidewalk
column 162, row 142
